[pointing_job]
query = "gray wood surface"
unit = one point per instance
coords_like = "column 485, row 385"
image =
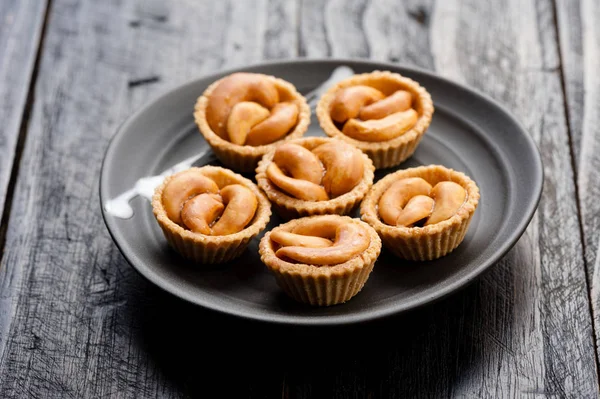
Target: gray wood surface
column 21, row 23
column 580, row 55
column 77, row 321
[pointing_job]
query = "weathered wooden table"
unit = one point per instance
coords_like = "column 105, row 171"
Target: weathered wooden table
column 77, row 321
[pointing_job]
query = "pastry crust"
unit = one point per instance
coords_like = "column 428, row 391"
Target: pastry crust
column 244, row 158
column 392, row 152
column 321, row 285
column 289, row 207
column 209, row 249
column 428, row 242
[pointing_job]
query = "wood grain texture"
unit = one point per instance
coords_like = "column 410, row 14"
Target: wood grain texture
column 579, row 43
column 522, row 314
column 74, row 314
column 515, row 60
column 77, row 321
column 20, row 31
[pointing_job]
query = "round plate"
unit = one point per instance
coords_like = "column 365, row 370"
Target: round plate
column 469, row 132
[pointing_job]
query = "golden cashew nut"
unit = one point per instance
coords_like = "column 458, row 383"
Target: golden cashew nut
column 283, row 118
column 328, row 171
column 449, row 198
column 201, row 211
column 400, row 100
column 234, row 89
column 418, row 208
column 411, row 200
column 349, row 101
column 301, row 189
column 368, row 115
column 286, row 239
column 192, row 200
column 183, row 187
column 240, row 207
column 344, row 167
column 349, row 240
column 299, row 162
column 397, row 196
column 383, row 129
column 244, row 116
column 322, row 227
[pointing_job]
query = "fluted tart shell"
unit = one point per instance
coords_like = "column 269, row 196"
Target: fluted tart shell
column 428, row 242
column 289, row 207
column 244, row 158
column 321, row 285
column 207, row 249
column 389, row 153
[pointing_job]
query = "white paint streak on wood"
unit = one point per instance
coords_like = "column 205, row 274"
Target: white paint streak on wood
column 281, row 36
column 527, row 43
column 244, row 42
column 399, row 31
column 589, row 165
column 595, row 288
column 381, row 26
column 344, row 24
column 444, row 28
column 20, row 33
column 313, row 30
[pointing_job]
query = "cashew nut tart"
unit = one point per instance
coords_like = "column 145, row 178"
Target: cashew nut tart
column 315, row 176
column 421, row 213
column 321, row 260
column 384, row 114
column 244, row 115
column 210, row 214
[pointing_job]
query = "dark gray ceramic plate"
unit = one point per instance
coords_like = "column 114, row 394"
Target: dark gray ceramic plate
column 469, row 133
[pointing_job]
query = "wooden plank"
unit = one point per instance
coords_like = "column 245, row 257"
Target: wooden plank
column 579, row 41
column 76, row 320
column 521, row 71
column 524, row 329
column 20, row 31
column 314, row 30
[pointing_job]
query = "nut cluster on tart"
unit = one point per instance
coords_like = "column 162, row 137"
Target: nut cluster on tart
column 319, row 255
column 210, row 214
column 321, row 260
column 244, row 115
column 421, row 213
column 382, row 113
column 314, row 176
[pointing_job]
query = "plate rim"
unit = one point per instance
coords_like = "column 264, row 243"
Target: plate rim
column 342, row 319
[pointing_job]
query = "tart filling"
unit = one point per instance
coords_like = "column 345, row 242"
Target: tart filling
column 382, row 113
column 196, row 203
column 325, row 242
column 244, row 114
column 421, row 213
column 315, row 175
column 367, row 114
column 321, row 260
column 412, row 201
column 209, row 214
